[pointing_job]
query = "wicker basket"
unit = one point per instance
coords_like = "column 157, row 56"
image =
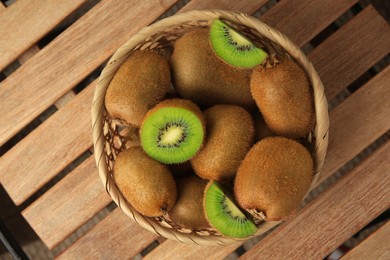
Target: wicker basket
column 111, row 136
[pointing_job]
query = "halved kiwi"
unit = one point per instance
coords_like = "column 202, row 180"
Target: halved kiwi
column 173, row 131
column 223, row 215
column 233, row 47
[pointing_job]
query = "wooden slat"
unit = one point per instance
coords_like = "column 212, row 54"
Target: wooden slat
column 334, row 216
column 28, row 54
column 376, row 123
column 376, row 246
column 358, row 122
column 290, row 16
column 245, row 6
column 115, row 230
column 360, row 44
column 59, row 212
column 26, row 21
column 69, row 58
column 48, row 149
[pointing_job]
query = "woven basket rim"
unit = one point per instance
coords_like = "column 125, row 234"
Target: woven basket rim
column 320, row 102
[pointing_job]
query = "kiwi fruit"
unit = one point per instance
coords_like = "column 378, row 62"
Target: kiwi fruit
column 273, row 178
column 284, row 97
column 224, row 215
column 146, row 184
column 173, row 131
column 233, row 47
column 230, row 134
column 199, row 75
column 139, row 84
column 188, row 211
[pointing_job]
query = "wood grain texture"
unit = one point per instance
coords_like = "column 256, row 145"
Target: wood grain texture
column 360, row 44
column 26, row 21
column 48, row 149
column 376, row 246
column 28, row 54
column 289, row 16
column 61, row 210
column 245, row 6
column 175, row 250
column 358, row 122
column 334, row 216
column 116, row 230
column 346, row 140
column 69, row 58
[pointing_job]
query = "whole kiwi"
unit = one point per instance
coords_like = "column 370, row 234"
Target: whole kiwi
column 145, row 183
column 230, row 134
column 199, row 75
column 139, row 84
column 274, row 178
column 284, row 97
column 188, row 211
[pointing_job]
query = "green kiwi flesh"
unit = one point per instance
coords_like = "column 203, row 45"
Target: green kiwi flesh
column 284, row 97
column 224, row 215
column 188, row 211
column 274, row 177
column 139, row 84
column 146, row 184
column 230, row 134
column 173, row 131
column 199, row 75
column 233, row 47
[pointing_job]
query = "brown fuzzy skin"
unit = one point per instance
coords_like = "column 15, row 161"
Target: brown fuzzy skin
column 188, row 211
column 284, row 97
column 138, row 85
column 230, row 134
column 274, row 177
column 181, row 103
column 145, row 183
column 202, row 77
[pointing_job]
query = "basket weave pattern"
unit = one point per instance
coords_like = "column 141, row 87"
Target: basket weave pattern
column 111, row 136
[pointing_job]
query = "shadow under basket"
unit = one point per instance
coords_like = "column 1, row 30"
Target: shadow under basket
column 111, row 136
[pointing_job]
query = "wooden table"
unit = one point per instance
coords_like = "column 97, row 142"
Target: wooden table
column 350, row 61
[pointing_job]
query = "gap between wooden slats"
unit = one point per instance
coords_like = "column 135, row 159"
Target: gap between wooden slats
column 26, row 21
column 84, row 124
column 360, row 101
column 171, row 245
column 376, row 246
